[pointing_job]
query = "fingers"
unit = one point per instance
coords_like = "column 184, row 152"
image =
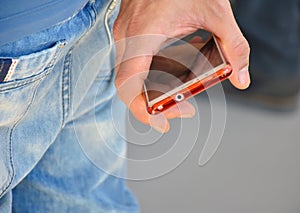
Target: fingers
column 132, row 72
column 134, row 54
column 232, row 41
column 130, row 86
column 181, row 110
column 238, row 55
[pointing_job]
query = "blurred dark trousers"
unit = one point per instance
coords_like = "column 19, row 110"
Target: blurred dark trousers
column 273, row 31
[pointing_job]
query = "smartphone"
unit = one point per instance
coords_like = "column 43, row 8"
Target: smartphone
column 183, row 68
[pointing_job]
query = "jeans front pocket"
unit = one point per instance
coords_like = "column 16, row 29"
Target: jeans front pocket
column 31, row 67
column 16, row 96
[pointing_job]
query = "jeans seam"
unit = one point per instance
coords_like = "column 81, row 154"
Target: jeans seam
column 10, row 149
column 66, row 84
column 8, row 181
column 92, row 13
column 108, row 12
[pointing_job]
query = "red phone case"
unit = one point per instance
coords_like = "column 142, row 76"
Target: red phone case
column 206, row 79
column 191, row 90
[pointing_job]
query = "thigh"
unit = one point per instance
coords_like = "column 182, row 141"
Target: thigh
column 30, row 109
column 34, row 91
column 81, row 171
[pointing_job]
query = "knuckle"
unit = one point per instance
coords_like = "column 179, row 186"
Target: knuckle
column 221, row 8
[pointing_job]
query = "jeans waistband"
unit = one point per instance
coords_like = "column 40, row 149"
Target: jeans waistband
column 36, row 53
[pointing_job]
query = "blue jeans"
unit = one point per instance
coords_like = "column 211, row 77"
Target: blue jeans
column 54, row 102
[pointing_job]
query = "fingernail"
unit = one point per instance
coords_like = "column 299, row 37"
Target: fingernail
column 243, row 76
column 187, row 115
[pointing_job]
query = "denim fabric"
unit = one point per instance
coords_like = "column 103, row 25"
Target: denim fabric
column 273, row 31
column 55, row 101
column 19, row 18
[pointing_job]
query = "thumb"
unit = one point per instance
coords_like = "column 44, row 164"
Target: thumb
column 233, row 44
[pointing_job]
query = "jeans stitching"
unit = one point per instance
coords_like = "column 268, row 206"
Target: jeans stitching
column 9, row 168
column 92, row 14
column 10, row 148
column 42, row 74
column 66, row 85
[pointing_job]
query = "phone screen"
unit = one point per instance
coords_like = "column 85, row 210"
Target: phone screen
column 182, row 63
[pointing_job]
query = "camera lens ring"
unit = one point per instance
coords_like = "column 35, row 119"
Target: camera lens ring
column 179, row 97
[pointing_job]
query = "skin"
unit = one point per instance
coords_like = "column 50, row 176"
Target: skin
column 143, row 26
column 182, row 61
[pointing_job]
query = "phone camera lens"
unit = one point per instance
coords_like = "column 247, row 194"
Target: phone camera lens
column 179, row 97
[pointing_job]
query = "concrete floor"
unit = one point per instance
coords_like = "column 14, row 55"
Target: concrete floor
column 255, row 169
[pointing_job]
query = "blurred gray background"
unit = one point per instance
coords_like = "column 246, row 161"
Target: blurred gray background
column 255, row 169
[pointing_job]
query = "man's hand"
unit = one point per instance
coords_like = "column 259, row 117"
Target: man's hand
column 143, row 26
